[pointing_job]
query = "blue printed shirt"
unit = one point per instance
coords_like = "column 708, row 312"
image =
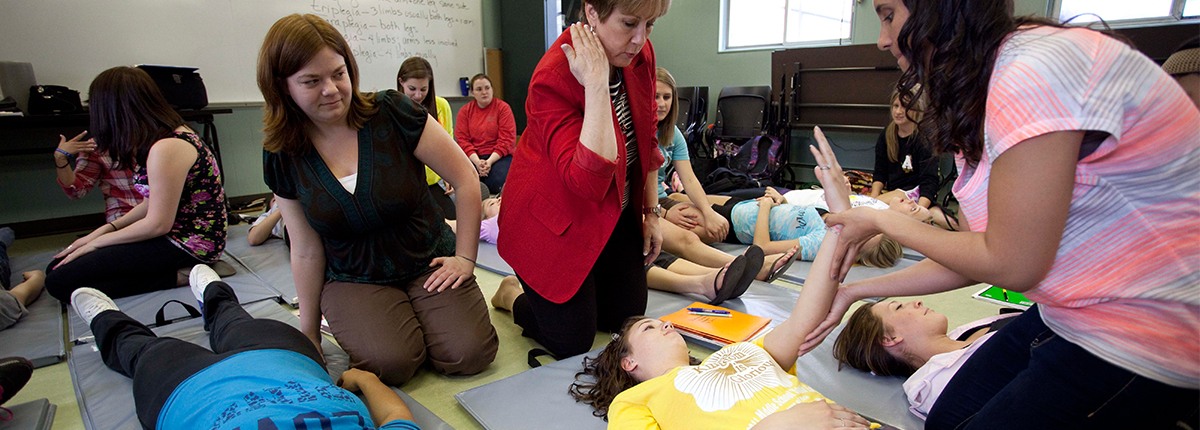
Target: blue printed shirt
column 266, row 389
column 787, row 222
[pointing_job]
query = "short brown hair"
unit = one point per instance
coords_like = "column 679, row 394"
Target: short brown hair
column 290, row 44
column 477, row 77
column 128, row 114
column 419, row 68
column 860, row 345
column 604, row 8
column 666, row 127
column 882, row 256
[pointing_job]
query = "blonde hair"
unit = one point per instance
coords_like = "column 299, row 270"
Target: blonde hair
column 884, row 255
column 892, row 133
column 290, row 44
column 666, row 126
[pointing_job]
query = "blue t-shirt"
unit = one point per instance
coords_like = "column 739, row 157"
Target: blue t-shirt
column 266, row 389
column 787, row 222
column 676, row 151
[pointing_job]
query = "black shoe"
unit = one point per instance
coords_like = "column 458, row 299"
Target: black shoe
column 14, row 373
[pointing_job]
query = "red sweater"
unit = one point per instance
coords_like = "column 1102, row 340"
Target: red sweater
column 488, row 130
column 561, row 200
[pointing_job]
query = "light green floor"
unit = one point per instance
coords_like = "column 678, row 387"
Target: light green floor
column 433, row 390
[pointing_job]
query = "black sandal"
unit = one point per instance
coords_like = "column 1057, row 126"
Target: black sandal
column 729, row 280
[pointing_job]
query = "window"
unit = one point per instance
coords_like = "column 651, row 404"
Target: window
column 1125, row 13
column 758, row 24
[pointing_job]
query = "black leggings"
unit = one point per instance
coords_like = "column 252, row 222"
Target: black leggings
column 614, row 290
column 158, row 365
column 121, row 270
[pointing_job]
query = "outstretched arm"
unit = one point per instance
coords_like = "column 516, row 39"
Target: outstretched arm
column 384, row 404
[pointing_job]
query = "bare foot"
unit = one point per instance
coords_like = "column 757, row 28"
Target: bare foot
column 716, row 283
column 774, row 262
column 510, row 289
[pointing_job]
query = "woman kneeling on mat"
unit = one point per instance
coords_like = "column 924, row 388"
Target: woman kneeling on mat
column 260, row 373
column 370, row 250
column 645, row 378
column 181, row 221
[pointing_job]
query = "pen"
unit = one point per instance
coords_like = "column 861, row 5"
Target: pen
column 1005, row 292
column 714, row 311
column 708, row 314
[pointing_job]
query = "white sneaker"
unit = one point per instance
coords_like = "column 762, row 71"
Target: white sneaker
column 201, row 276
column 89, row 302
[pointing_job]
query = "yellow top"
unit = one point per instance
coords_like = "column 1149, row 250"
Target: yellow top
column 446, row 119
column 734, row 388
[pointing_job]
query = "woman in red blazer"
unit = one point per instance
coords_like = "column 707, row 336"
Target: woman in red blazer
column 580, row 221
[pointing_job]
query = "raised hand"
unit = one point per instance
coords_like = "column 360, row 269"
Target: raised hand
column 77, row 144
column 586, row 57
column 829, row 173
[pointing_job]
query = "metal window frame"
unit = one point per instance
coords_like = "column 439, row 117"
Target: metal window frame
column 723, row 36
column 1054, row 8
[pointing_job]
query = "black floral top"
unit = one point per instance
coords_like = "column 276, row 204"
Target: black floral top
column 199, row 225
column 390, row 229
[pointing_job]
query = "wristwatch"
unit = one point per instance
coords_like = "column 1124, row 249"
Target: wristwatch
column 657, row 210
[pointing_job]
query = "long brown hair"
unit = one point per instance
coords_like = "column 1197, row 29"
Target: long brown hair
column 860, row 345
column 128, row 114
column 605, row 378
column 419, row 68
column 951, row 46
column 290, row 44
column 666, row 127
column 892, row 133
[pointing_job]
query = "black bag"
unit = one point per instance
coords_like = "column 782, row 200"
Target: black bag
column 759, row 157
column 724, row 179
column 182, row 86
column 53, row 99
column 700, row 148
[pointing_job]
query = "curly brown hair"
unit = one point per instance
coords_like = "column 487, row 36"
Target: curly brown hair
column 605, row 378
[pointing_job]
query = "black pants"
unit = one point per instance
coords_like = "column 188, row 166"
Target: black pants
column 121, row 270
column 614, row 290
column 443, row 201
column 158, row 365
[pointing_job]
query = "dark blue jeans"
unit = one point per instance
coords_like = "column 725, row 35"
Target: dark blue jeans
column 1028, row 377
column 499, row 173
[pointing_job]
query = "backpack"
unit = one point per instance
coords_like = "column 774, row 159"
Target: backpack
column 725, row 179
column 700, row 148
column 759, row 158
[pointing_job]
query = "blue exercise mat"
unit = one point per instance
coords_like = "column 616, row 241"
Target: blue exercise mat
column 39, row 335
column 270, row 263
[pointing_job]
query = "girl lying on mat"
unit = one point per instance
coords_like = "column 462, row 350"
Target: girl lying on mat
column 786, row 225
column 892, row 338
column 260, row 373
column 645, row 378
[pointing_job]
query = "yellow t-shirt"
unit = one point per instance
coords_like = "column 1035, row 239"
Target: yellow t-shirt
column 446, row 119
column 734, row 388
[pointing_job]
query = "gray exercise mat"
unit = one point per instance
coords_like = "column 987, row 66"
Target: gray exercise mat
column 799, row 270
column 270, row 262
column 35, row 415
column 489, row 259
column 106, row 397
column 878, row 397
column 39, row 335
column 543, row 402
column 143, row 307
column 913, row 254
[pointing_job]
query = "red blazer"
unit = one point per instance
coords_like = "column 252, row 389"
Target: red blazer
column 562, row 200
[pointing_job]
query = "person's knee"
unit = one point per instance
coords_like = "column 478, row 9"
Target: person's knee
column 59, row 287
column 394, row 363
column 465, row 355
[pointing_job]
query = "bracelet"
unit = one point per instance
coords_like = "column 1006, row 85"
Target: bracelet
column 465, row 258
column 68, row 154
column 65, row 165
column 114, row 226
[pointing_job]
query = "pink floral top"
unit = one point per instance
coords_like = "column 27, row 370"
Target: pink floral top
column 199, row 225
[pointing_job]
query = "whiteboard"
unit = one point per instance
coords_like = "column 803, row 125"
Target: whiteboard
column 69, row 42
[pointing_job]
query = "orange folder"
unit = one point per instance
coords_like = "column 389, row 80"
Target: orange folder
column 738, row 327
